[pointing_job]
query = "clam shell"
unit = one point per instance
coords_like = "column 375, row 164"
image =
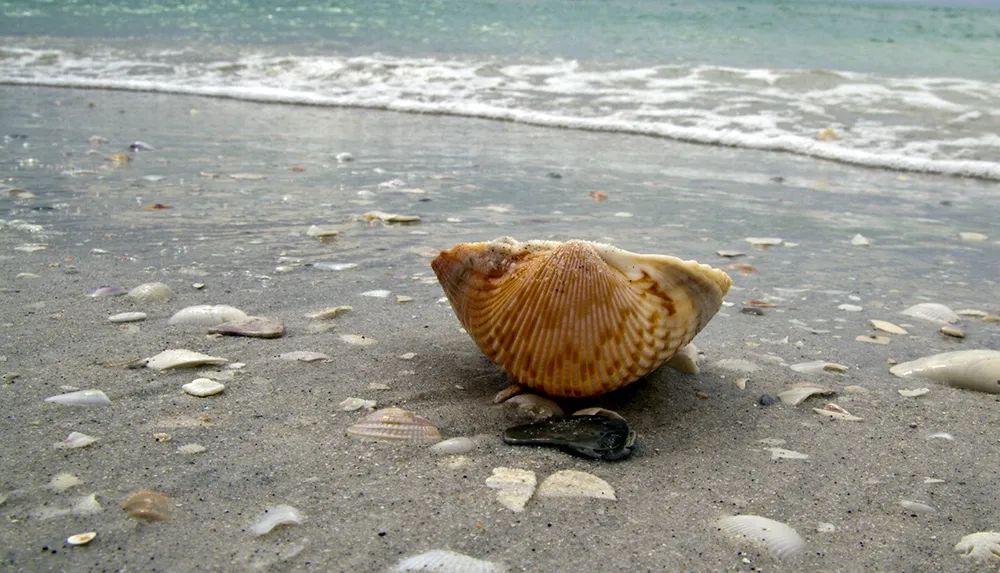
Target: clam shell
column 933, row 312
column 970, row 369
column 780, row 539
column 443, row 561
column 396, row 425
column 577, row 318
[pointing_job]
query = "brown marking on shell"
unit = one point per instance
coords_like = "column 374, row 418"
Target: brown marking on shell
column 577, row 318
column 148, row 505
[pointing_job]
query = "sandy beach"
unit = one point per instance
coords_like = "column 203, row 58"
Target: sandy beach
column 243, row 182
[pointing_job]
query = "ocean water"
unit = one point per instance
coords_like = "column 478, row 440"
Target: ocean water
column 900, row 85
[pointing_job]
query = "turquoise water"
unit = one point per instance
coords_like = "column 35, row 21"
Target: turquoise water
column 903, row 85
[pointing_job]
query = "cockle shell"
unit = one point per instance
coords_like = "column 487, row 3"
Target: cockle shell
column 396, row 425
column 577, row 318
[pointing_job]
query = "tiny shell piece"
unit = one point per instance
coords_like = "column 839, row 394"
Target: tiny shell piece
column 275, row 516
column 206, row 315
column 860, row 241
column 686, row 360
column 127, row 317
column 981, row 546
column 933, row 312
column 64, row 481
column 454, row 446
column 358, row 339
column 376, row 293
column 181, row 358
column 797, row 395
column 320, row 232
column 81, row 398
column 252, row 327
column 730, row 254
column 147, row 505
column 202, row 387
column 396, row 425
column 914, row 392
column 953, row 331
column 916, row 507
column 75, row 440
column 330, row 312
column 188, row 449
column 850, row 307
column 442, row 561
column 151, row 292
column 303, row 356
column 836, row 412
column 812, row 367
column 764, row 241
column 408, row 356
column 783, row 454
column 516, row 486
column 886, row 326
column 352, row 404
column 780, row 539
column 81, row 538
column 573, row 483
column 402, row 298
column 872, row 339
column 940, row 436
column 106, row 290
column 973, row 237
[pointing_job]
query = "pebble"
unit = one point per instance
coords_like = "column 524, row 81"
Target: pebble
column 202, row 387
column 767, row 400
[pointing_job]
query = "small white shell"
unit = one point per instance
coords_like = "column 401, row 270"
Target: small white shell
column 850, row 307
column 303, row 356
column 275, row 516
column 797, row 395
column 886, row 326
column 330, row 312
column 916, row 507
column 127, row 317
column 454, row 446
column 783, row 454
column 358, row 339
column 151, row 292
column 352, row 404
column 75, row 440
column 81, row 398
column 376, row 293
column 860, row 241
column 573, row 483
column 64, row 481
column 181, row 358
column 837, row 413
column 188, row 449
column 320, row 232
column 81, row 538
column 206, row 315
column 913, row 393
column 780, row 539
column 970, row 369
column 764, row 241
column 981, row 546
column 933, row 312
column 515, row 486
column 86, row 505
column 202, row 387
column 441, row 561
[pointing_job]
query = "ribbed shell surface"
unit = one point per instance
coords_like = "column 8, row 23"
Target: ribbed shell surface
column 396, row 425
column 577, row 318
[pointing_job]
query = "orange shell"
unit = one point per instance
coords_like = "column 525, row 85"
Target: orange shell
column 577, row 318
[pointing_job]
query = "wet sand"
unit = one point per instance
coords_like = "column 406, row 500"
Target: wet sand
column 275, row 435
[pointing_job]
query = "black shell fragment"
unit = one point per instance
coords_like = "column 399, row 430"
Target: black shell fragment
column 598, row 437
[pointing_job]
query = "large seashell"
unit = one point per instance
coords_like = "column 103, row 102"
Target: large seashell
column 970, row 369
column 396, row 425
column 577, row 318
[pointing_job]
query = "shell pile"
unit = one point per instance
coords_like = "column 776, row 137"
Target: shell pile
column 577, row 318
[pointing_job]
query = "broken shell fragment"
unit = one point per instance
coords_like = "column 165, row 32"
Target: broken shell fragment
column 151, row 292
column 573, row 483
column 181, row 358
column 64, row 481
column 106, row 290
column 190, row 449
column 321, row 232
column 798, row 394
column 202, row 387
column 933, row 312
column 330, row 312
column 837, row 413
column 206, row 315
column 886, row 326
column 780, row 539
column 577, row 318
column 916, row 507
column 389, row 217
column 860, row 241
column 442, row 561
column 304, row 356
column 81, row 398
column 75, row 440
column 764, row 241
column 396, row 425
column 275, row 516
column 599, row 437
column 783, row 454
column 537, row 407
column 969, row 369
column 127, row 317
column 515, row 486
column 358, row 339
column 981, row 546
column 81, row 538
column 252, row 327
column 953, row 331
column 147, row 505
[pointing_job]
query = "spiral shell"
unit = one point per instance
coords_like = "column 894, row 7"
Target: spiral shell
column 577, row 318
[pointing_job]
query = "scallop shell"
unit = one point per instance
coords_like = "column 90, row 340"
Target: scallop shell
column 396, row 425
column 780, row 539
column 577, row 318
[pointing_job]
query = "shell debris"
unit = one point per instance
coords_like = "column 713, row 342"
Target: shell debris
column 304, row 356
column 321, row 232
column 273, row 517
column 147, row 505
column 886, row 326
column 953, row 331
column 127, row 317
column 454, row 446
column 373, row 216
column 798, row 394
column 686, row 360
column 780, row 539
column 64, row 481
column 358, row 339
column 574, row 483
column 202, row 387
column 206, row 315
column 75, row 440
column 783, row 454
column 190, row 449
column 395, row 425
column 764, row 241
column 330, row 312
column 980, row 546
column 515, row 486
column 836, row 412
column 872, row 339
column 251, row 327
column 969, row 369
column 537, row 407
column 81, row 398
column 915, row 507
column 381, row 293
column 81, row 538
column 443, row 561
column 859, row 240
column 352, row 404
column 181, row 358
column 913, row 393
